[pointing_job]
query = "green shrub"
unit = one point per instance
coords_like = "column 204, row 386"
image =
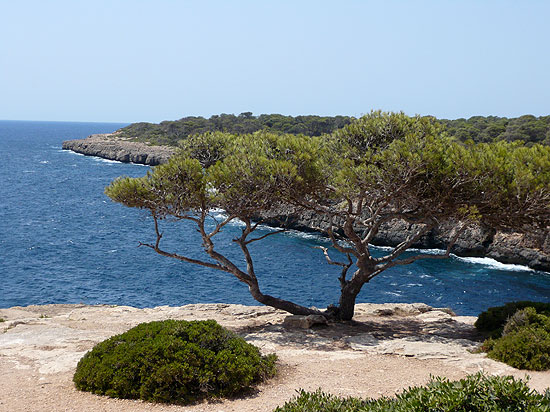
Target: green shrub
column 173, row 362
column 492, row 321
column 525, row 343
column 476, row 393
column 523, row 318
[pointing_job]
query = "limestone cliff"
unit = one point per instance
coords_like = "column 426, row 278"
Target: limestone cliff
column 530, row 249
column 108, row 146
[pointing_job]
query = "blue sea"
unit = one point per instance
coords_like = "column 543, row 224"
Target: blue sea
column 63, row 241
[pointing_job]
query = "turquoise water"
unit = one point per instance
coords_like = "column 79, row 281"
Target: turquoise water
column 63, row 241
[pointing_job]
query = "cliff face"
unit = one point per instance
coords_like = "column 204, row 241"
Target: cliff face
column 109, row 147
column 532, row 249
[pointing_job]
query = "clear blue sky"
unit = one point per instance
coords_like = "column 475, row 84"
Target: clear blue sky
column 137, row 60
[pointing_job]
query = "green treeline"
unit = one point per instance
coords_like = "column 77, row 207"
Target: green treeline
column 528, row 128
column 170, row 132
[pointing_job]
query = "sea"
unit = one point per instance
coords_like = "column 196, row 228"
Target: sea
column 62, row 240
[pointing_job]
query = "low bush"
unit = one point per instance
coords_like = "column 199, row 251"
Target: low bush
column 525, row 342
column 476, row 393
column 492, row 321
column 174, row 362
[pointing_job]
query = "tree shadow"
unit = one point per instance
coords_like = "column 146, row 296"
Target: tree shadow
column 335, row 336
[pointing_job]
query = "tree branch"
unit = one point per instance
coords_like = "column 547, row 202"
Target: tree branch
column 335, row 241
column 345, row 266
column 266, row 235
column 403, row 246
column 219, row 226
column 161, row 252
column 412, row 259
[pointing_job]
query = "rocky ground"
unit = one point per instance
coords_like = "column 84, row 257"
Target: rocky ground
column 386, row 349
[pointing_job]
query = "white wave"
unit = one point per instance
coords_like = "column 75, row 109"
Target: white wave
column 493, row 264
column 424, row 251
column 71, row 152
column 485, row 261
column 388, row 248
column 428, row 251
column 220, row 215
column 306, row 235
column 101, row 160
column 44, row 162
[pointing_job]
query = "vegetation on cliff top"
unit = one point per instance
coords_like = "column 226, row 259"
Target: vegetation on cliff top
column 528, row 128
column 171, row 132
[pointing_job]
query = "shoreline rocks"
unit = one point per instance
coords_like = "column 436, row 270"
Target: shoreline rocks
column 529, row 249
column 108, row 146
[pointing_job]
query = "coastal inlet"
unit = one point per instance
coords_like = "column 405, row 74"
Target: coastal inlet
column 64, row 241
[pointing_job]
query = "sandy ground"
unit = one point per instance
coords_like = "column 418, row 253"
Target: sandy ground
column 385, row 350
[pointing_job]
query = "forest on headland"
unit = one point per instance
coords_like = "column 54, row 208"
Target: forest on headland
column 527, row 128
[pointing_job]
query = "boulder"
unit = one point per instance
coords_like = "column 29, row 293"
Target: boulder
column 304, row 322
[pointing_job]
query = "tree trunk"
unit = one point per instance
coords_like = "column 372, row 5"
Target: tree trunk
column 282, row 304
column 346, row 305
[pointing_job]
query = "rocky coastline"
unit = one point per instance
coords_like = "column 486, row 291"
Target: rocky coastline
column 530, row 249
column 109, row 146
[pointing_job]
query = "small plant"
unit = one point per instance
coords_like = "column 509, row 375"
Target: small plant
column 2, row 320
column 475, row 393
column 525, row 341
column 43, row 316
column 492, row 321
column 173, row 362
column 519, row 334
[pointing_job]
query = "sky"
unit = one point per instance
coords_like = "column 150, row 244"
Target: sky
column 137, row 60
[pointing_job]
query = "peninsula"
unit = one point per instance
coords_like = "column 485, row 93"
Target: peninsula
column 109, row 146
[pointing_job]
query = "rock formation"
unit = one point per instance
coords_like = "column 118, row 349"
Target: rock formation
column 531, row 249
column 108, row 146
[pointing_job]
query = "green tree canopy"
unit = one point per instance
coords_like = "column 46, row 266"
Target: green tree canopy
column 382, row 167
column 529, row 129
